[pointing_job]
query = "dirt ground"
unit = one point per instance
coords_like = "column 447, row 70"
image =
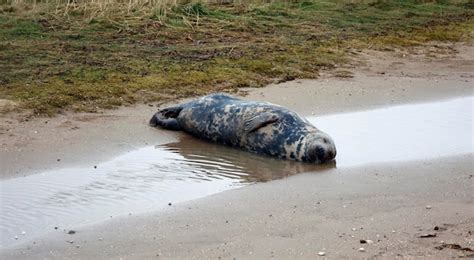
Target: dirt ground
column 297, row 217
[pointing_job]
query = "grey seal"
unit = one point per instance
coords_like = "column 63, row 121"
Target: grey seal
column 258, row 127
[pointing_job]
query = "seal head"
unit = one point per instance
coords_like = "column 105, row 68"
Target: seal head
column 320, row 148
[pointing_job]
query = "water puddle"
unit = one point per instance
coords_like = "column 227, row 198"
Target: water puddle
column 150, row 178
column 402, row 133
column 144, row 180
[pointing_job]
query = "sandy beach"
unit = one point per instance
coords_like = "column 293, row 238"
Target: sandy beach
column 403, row 209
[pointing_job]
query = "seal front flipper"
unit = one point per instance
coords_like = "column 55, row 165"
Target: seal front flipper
column 166, row 118
column 259, row 121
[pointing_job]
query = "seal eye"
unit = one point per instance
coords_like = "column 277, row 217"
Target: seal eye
column 325, row 140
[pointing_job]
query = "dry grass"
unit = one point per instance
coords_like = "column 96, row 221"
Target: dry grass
column 89, row 55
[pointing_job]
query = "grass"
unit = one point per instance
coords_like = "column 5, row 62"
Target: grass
column 84, row 58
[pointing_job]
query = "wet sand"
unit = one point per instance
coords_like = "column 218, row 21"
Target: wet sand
column 147, row 179
column 294, row 217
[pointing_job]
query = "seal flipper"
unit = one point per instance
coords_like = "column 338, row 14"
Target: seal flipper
column 257, row 122
column 166, row 118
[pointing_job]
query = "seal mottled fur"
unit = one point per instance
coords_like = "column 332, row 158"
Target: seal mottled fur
column 259, row 127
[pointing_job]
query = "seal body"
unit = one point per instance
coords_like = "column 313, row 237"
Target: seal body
column 258, row 127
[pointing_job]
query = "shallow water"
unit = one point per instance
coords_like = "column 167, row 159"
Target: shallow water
column 401, row 133
column 139, row 181
column 149, row 178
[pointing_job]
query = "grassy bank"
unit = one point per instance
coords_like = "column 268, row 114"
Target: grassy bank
column 85, row 57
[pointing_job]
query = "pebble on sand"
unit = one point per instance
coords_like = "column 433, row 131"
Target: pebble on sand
column 428, row 235
column 322, row 253
column 428, row 207
column 361, row 249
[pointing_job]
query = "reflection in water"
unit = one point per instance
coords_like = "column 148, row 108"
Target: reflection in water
column 218, row 161
column 151, row 177
column 146, row 179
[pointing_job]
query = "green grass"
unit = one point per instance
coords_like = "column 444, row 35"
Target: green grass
column 85, row 59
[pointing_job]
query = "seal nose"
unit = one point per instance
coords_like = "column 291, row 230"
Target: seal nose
column 320, row 154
